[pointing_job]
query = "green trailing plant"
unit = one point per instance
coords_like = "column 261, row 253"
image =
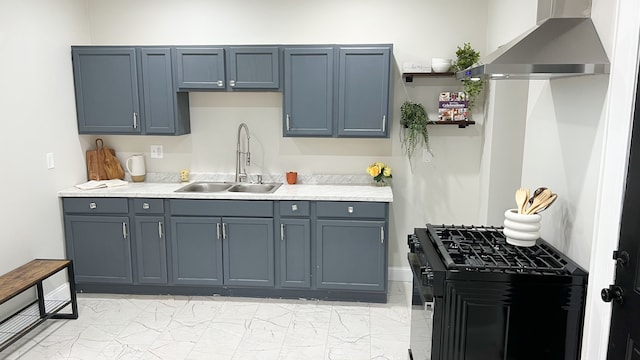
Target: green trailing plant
column 414, row 120
column 466, row 57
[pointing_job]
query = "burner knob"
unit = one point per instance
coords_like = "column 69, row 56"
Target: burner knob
column 613, row 293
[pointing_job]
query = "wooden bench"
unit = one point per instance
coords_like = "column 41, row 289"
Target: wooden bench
column 24, row 278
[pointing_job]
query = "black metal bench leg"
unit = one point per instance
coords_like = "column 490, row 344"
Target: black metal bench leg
column 73, row 297
column 43, row 311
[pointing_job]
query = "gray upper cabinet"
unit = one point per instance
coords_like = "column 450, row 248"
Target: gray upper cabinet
column 343, row 95
column 106, row 85
column 200, row 68
column 308, row 91
column 250, row 67
column 363, row 91
column 128, row 90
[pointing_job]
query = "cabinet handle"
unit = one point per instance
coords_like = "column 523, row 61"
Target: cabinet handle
column 220, row 83
column 218, row 230
column 350, row 209
column 160, row 232
column 135, row 120
column 384, row 123
column 145, row 206
column 124, row 230
column 224, row 231
column 381, row 234
column 288, row 128
column 92, row 205
column 281, row 232
column 232, row 83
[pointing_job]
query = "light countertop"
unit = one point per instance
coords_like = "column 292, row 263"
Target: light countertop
column 323, row 192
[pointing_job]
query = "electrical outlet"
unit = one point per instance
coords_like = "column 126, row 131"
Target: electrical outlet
column 50, row 161
column 157, row 152
column 426, row 155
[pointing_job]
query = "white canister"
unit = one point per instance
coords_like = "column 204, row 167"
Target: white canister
column 521, row 229
column 135, row 167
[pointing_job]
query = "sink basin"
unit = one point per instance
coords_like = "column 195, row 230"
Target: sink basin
column 203, row 186
column 255, row 188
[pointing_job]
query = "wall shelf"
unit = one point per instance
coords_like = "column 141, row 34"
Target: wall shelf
column 460, row 123
column 408, row 77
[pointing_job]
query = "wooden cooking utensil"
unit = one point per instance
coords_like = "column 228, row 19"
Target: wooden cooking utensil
column 541, row 201
column 536, row 193
column 522, row 195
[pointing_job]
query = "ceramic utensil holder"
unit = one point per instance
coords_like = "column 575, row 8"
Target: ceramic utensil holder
column 292, row 177
column 521, row 229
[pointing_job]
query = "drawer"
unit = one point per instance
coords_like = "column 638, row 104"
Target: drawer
column 95, row 205
column 294, row 208
column 351, row 209
column 148, row 206
column 251, row 208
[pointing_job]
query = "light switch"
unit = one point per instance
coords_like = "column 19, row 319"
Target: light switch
column 50, row 162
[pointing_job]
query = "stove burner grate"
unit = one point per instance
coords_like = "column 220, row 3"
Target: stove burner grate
column 482, row 248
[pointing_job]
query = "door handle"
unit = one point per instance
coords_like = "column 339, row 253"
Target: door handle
column 381, row 234
column 160, row 232
column 281, row 232
column 224, row 231
column 135, row 120
column 288, row 127
column 124, row 230
column 621, row 257
column 218, row 230
column 613, row 293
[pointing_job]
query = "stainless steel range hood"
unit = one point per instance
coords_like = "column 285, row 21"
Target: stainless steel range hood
column 563, row 43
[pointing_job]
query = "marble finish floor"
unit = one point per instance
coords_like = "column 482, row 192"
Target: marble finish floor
column 220, row 328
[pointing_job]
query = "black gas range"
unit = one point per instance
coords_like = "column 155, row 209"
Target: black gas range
column 478, row 297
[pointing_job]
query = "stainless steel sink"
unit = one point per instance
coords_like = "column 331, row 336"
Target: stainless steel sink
column 204, row 186
column 255, row 188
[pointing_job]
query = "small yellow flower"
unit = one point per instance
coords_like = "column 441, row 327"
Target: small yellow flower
column 373, row 170
column 386, row 172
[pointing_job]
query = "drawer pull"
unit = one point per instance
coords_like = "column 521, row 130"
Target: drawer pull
column 294, row 207
column 350, row 209
column 92, row 205
column 220, row 83
column 232, row 83
column 145, row 206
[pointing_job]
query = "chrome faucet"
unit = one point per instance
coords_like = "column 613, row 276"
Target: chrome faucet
column 241, row 172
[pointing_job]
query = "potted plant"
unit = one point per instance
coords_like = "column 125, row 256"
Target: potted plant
column 466, row 57
column 414, row 120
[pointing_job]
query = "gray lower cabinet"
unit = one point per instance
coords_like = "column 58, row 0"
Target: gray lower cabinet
column 151, row 250
column 98, row 239
column 351, row 245
column 295, row 253
column 196, row 244
column 212, row 249
column 128, row 90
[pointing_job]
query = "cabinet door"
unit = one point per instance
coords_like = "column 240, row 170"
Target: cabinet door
column 295, row 253
column 106, row 85
column 308, row 91
column 197, row 250
column 100, row 248
column 253, row 68
column 151, row 250
column 351, row 254
column 248, row 251
column 158, row 93
column 363, row 91
column 200, row 68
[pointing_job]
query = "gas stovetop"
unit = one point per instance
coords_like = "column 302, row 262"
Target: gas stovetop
column 484, row 249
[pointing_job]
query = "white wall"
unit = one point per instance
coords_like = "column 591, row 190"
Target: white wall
column 37, row 110
column 443, row 191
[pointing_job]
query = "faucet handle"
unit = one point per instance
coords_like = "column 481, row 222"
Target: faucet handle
column 259, row 179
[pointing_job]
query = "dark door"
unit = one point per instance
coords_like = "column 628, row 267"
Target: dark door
column 624, row 337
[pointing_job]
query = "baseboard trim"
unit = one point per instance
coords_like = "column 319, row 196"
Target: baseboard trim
column 400, row 274
column 59, row 293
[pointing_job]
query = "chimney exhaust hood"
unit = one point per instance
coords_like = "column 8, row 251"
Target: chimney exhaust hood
column 563, row 43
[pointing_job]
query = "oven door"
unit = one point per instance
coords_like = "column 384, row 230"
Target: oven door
column 422, row 310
